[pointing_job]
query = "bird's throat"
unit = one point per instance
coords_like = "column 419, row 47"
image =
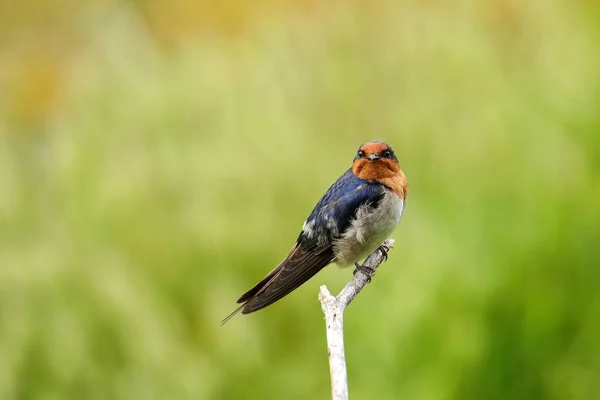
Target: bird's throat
column 383, row 171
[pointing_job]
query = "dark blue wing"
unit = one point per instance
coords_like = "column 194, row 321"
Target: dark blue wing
column 337, row 208
column 331, row 216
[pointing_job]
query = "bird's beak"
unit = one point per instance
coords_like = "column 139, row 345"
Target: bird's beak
column 373, row 157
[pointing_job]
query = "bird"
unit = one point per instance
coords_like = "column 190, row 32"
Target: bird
column 354, row 216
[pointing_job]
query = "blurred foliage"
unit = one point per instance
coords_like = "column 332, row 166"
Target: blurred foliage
column 158, row 158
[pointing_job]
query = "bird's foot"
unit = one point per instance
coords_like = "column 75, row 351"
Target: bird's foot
column 366, row 270
column 384, row 251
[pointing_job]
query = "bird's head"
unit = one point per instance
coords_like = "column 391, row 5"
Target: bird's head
column 376, row 161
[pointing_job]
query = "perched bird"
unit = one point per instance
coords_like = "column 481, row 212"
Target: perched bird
column 351, row 220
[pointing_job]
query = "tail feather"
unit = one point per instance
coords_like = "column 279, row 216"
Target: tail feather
column 259, row 286
column 252, row 292
column 227, row 318
column 298, row 267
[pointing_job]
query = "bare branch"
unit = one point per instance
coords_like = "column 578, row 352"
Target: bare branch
column 333, row 308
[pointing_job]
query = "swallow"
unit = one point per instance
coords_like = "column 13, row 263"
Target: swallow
column 350, row 221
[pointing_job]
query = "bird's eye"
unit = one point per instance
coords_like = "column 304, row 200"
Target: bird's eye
column 361, row 153
column 386, row 154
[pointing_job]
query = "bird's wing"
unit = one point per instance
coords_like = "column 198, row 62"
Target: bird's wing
column 332, row 215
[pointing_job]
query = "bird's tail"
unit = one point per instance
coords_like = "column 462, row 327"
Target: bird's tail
column 298, row 267
column 252, row 292
column 227, row 318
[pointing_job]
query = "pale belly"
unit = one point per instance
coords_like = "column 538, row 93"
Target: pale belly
column 370, row 228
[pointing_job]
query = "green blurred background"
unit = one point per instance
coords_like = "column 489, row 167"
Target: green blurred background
column 158, row 158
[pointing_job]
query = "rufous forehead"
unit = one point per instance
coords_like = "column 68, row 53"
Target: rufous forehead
column 373, row 147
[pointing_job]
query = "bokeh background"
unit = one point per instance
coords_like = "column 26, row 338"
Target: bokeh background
column 157, row 158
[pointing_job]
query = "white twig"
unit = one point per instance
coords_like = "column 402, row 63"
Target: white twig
column 333, row 308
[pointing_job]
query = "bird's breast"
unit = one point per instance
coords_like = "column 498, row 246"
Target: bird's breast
column 369, row 229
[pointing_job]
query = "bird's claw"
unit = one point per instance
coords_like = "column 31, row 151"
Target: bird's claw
column 384, row 251
column 367, row 271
